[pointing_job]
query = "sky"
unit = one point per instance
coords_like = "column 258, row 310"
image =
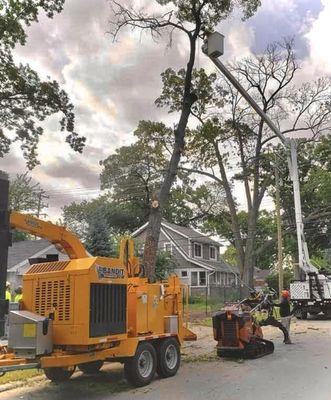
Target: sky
column 113, row 85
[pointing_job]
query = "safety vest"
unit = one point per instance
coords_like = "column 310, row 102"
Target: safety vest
column 8, row 295
column 18, row 298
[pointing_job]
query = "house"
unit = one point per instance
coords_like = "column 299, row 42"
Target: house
column 199, row 263
column 260, row 276
column 20, row 253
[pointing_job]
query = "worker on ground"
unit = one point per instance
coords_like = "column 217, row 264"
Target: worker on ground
column 285, row 312
column 18, row 294
column 8, row 293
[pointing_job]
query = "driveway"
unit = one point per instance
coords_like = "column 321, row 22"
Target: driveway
column 300, row 371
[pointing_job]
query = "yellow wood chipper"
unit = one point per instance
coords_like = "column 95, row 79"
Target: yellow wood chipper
column 90, row 310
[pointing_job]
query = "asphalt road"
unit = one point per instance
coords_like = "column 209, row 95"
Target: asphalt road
column 301, row 371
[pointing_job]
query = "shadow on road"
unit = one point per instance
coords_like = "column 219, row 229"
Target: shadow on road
column 81, row 386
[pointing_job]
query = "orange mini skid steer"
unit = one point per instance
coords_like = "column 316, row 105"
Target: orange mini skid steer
column 238, row 336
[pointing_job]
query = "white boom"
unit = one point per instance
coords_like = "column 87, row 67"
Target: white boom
column 213, row 47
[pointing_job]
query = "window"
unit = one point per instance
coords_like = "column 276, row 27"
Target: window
column 183, row 273
column 141, row 247
column 198, row 278
column 202, row 278
column 168, row 247
column 194, row 278
column 212, row 253
column 197, row 250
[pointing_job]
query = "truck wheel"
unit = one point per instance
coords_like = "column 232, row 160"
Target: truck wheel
column 140, row 369
column 91, row 367
column 58, row 374
column 168, row 358
column 327, row 313
column 301, row 314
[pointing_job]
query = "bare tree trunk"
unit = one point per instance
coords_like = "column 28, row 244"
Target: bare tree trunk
column 240, row 254
column 160, row 201
column 253, row 215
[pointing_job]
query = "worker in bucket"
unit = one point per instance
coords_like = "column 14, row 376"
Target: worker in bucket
column 18, row 294
column 285, row 312
column 8, row 293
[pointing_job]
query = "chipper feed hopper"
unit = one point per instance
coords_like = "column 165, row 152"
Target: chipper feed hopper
column 88, row 310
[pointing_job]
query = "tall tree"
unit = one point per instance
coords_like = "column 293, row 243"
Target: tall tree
column 26, row 100
column 26, row 195
column 233, row 146
column 315, row 184
column 192, row 19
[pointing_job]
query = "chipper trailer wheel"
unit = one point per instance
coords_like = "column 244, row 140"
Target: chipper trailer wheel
column 140, row 369
column 58, row 374
column 168, row 358
column 91, row 367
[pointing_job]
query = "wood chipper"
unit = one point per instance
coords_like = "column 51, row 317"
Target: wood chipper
column 88, row 310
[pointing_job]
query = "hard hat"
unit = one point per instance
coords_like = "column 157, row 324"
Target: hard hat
column 7, row 284
column 285, row 293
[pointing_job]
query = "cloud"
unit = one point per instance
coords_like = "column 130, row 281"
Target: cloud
column 114, row 85
column 318, row 36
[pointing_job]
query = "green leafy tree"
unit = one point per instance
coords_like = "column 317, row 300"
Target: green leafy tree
column 133, row 175
column 193, row 19
column 233, row 147
column 26, row 100
column 315, row 187
column 27, row 196
column 272, row 280
column 266, row 234
column 165, row 265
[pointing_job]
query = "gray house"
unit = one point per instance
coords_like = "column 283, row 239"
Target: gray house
column 20, row 253
column 198, row 257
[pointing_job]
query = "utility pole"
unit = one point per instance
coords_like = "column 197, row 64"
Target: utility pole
column 279, row 231
column 40, row 205
column 4, row 244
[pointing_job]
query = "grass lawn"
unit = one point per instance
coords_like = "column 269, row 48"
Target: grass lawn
column 19, row 375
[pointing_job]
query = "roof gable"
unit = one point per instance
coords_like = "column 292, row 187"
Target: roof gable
column 20, row 252
column 184, row 231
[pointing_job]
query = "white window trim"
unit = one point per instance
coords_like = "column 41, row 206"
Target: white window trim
column 198, row 244
column 198, row 278
column 213, row 247
column 181, row 273
column 165, row 246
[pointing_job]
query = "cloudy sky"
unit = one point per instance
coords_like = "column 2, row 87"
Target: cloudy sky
column 114, row 85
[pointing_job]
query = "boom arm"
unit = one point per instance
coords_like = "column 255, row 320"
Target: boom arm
column 49, row 231
column 213, row 48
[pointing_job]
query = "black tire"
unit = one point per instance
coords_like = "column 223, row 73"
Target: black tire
column 168, row 358
column 140, row 369
column 301, row 314
column 91, row 367
column 327, row 313
column 58, row 374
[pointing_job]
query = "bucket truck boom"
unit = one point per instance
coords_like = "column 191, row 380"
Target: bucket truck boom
column 313, row 294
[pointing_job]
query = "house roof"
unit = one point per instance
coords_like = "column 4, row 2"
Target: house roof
column 20, row 252
column 218, row 265
column 190, row 233
column 261, row 273
column 186, row 232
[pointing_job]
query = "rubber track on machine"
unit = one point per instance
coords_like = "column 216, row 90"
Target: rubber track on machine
column 261, row 348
